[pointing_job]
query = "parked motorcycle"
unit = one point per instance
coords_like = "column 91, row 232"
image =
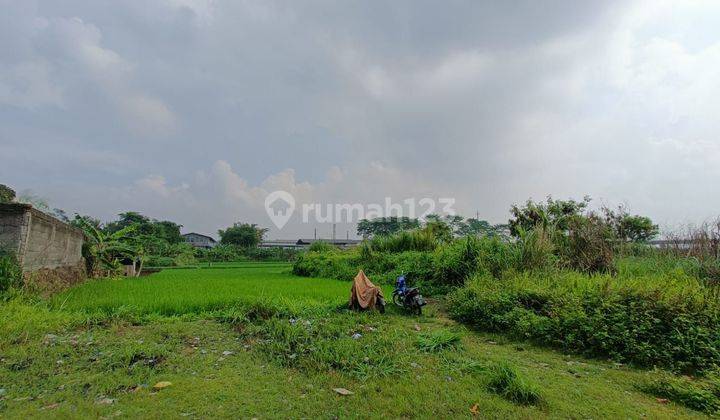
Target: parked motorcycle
column 409, row 298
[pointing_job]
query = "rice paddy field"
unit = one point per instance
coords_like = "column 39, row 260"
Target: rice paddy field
column 202, row 289
column 250, row 340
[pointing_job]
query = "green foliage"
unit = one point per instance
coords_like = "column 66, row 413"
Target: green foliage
column 184, row 254
column 414, row 240
column 79, row 221
column 550, row 214
column 242, row 234
column 438, row 340
column 334, row 265
column 666, row 320
column 630, row 228
column 440, row 230
column 456, row 261
column 221, row 252
column 509, row 384
column 10, row 271
column 322, row 246
column 700, row 396
column 7, row 194
column 165, row 231
column 589, row 245
column 535, row 248
column 169, row 231
column 326, row 344
column 159, row 261
column 104, row 250
column 385, row 226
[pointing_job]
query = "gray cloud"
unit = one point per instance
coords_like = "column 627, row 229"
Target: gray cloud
column 191, row 109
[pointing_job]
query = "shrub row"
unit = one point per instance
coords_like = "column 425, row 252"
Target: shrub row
column 438, row 270
column 669, row 321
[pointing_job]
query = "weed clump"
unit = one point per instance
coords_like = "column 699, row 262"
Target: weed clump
column 10, row 271
column 509, row 384
column 336, row 343
column 439, row 340
column 698, row 396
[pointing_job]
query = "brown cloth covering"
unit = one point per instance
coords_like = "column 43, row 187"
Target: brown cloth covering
column 364, row 294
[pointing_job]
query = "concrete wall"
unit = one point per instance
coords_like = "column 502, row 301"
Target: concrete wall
column 45, row 247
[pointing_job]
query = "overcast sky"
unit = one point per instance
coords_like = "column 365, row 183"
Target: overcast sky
column 194, row 110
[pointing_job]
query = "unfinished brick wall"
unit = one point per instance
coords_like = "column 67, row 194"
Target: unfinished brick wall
column 48, row 250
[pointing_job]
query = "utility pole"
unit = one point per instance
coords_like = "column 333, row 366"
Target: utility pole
column 315, row 234
column 333, row 234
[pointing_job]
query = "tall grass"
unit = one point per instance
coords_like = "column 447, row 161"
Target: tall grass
column 409, row 240
column 509, row 384
column 10, row 271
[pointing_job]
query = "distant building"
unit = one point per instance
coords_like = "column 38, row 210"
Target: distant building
column 199, row 241
column 305, row 243
column 281, row 243
column 342, row 243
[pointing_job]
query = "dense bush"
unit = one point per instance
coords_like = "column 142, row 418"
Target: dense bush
column 322, row 246
column 669, row 321
column 382, row 268
column 157, row 261
column 220, row 253
column 455, row 262
column 535, row 248
column 438, row 271
column 337, row 265
column 589, row 246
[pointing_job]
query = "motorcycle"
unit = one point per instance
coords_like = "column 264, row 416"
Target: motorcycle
column 409, row 298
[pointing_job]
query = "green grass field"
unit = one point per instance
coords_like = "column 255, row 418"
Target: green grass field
column 195, row 290
column 251, row 340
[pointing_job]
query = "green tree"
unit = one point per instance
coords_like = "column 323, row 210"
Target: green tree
column 555, row 214
column 7, row 194
column 143, row 225
column 81, row 220
column 440, row 230
column 638, row 228
column 242, row 234
column 165, row 230
column 385, row 225
column 630, row 228
column 169, row 231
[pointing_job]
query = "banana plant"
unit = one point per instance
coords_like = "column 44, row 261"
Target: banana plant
column 106, row 249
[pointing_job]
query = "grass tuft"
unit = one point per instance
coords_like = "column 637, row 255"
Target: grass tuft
column 507, row 382
column 438, row 340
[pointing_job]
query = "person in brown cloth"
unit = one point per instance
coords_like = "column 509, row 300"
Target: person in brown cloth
column 365, row 295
